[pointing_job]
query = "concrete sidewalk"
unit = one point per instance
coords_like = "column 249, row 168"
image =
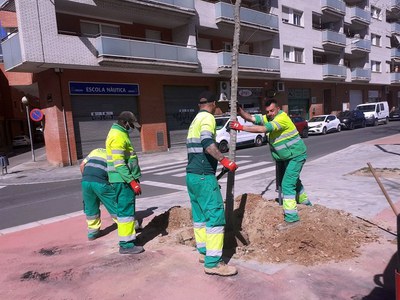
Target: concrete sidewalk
column 55, row 261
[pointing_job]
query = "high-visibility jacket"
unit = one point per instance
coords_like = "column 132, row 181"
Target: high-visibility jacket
column 284, row 139
column 95, row 166
column 201, row 135
column 122, row 161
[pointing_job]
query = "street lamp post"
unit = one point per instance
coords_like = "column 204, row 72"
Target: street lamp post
column 25, row 102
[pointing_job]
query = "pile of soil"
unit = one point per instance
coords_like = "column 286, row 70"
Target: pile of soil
column 322, row 235
column 380, row 172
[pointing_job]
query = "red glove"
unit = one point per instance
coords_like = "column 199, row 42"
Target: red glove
column 230, row 165
column 235, row 125
column 135, row 187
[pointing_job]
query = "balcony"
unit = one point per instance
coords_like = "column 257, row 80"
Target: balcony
column 333, row 72
column 360, row 16
column 395, row 5
column 248, row 64
column 395, row 78
column 333, row 39
column 146, row 54
column 360, row 75
column 186, row 4
column 11, row 52
column 395, row 53
column 337, row 7
column 360, row 45
column 248, row 17
column 395, row 28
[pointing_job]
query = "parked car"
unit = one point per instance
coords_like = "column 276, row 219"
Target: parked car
column 242, row 138
column 352, row 119
column 301, row 125
column 375, row 112
column 21, row 140
column 323, row 124
column 394, row 115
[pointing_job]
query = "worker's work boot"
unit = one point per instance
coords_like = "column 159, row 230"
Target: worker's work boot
column 201, row 258
column 287, row 225
column 221, row 269
column 132, row 250
column 93, row 236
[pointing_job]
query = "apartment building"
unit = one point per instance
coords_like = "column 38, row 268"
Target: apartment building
column 89, row 60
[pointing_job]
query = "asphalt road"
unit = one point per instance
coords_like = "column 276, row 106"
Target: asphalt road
column 27, row 203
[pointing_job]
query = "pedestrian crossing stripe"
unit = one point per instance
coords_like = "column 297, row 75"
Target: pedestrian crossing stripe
column 2, row 186
column 164, row 185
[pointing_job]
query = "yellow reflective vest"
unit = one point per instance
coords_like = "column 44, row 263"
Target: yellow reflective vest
column 122, row 161
column 283, row 137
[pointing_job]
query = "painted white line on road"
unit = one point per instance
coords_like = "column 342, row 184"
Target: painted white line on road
column 164, row 185
column 2, row 186
column 218, row 170
column 163, row 165
column 249, row 174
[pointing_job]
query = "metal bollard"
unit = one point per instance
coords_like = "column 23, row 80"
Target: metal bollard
column 3, row 164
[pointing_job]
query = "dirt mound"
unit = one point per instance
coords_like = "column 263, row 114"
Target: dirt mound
column 322, row 235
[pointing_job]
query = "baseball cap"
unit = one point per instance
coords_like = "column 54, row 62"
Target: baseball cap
column 129, row 117
column 206, row 97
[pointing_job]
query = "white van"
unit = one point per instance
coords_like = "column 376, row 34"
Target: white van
column 375, row 112
column 242, row 138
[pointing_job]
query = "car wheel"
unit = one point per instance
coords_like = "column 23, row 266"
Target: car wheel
column 338, row 128
column 258, row 141
column 375, row 122
column 351, row 126
column 324, row 130
column 304, row 134
column 223, row 146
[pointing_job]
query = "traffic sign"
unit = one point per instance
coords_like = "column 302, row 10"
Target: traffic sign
column 36, row 115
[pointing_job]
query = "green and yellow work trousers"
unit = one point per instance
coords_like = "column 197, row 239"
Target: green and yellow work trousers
column 208, row 216
column 292, row 188
column 93, row 194
column 126, row 200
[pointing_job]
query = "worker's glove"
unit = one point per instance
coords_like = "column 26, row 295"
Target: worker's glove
column 235, row 125
column 230, row 165
column 135, row 187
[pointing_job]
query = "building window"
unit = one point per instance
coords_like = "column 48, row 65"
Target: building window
column 96, row 29
column 153, row 35
column 375, row 39
column 375, row 66
column 292, row 16
column 376, row 13
column 293, row 54
column 227, row 46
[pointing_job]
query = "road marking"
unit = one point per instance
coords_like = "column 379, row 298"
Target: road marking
column 163, row 165
column 164, row 185
column 249, row 174
column 2, row 186
column 184, row 173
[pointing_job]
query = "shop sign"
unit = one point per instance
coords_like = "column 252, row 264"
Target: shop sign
column 95, row 88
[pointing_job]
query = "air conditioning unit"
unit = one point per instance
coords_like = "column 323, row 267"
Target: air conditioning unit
column 224, row 90
column 280, row 86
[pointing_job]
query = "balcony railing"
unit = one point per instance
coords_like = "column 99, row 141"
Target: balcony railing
column 395, row 77
column 360, row 74
column 333, row 37
column 179, row 3
column 11, row 52
column 142, row 50
column 395, row 28
column 360, row 15
column 395, row 4
column 224, row 11
column 334, row 71
column 395, row 53
column 336, row 6
column 361, row 45
column 246, row 61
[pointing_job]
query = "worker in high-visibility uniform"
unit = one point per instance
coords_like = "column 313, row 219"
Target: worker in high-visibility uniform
column 124, row 173
column 287, row 147
column 95, row 190
column 205, row 195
